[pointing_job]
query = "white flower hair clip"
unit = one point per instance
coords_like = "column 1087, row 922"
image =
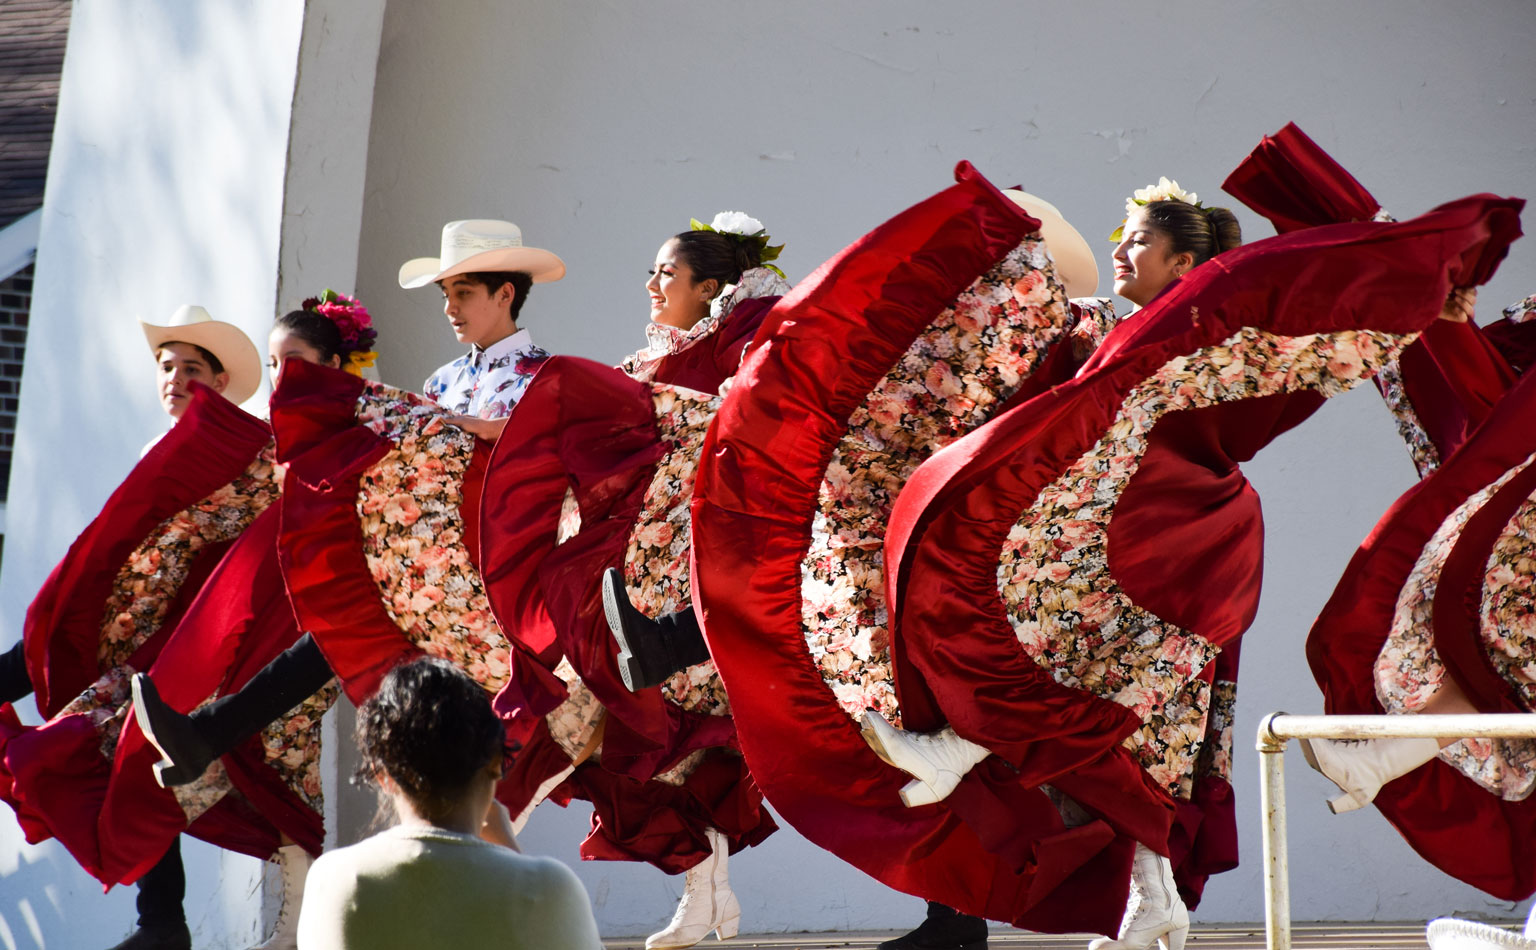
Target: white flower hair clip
column 1165, row 190
column 740, row 226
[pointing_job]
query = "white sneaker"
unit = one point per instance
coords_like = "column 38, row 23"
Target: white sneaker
column 1155, row 912
column 936, row 760
column 708, row 903
column 1362, row 766
column 295, row 862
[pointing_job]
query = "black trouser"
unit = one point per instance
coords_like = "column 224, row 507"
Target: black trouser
column 162, row 889
column 293, row 676
column 15, row 681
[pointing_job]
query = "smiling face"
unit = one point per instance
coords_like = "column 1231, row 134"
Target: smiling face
column 676, row 300
column 1145, row 262
column 479, row 317
column 177, row 365
column 283, row 344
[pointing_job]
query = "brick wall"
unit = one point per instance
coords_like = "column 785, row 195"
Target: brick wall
column 15, row 304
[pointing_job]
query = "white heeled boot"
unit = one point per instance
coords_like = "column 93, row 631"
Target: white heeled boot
column 707, row 904
column 937, row 761
column 1362, row 766
column 295, row 862
column 1155, row 913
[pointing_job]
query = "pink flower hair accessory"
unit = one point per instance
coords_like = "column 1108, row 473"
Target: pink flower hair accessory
column 356, row 326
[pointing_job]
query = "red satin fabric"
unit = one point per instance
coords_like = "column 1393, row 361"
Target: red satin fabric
column 956, row 511
column 815, row 359
column 63, row 625
column 591, row 428
column 110, row 814
column 334, row 597
column 714, row 359
column 1455, row 372
column 1453, row 823
column 240, row 622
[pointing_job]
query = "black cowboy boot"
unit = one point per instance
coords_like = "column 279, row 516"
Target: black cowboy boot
column 162, row 921
column 15, row 681
column 650, row 651
column 190, row 742
column 944, row 929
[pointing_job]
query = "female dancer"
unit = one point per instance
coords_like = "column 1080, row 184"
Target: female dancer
column 1115, row 632
column 1428, row 616
column 631, row 475
column 205, row 644
column 73, row 658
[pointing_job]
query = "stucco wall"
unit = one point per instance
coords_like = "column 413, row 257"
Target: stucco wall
column 601, row 126
column 166, row 186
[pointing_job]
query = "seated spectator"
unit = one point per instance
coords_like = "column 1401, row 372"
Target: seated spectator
column 431, row 742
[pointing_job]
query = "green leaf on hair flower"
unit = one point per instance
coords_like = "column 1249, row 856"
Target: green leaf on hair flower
column 697, row 225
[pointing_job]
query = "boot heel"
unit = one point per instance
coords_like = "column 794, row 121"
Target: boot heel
column 1177, row 936
column 730, row 919
column 1343, row 803
column 728, row 928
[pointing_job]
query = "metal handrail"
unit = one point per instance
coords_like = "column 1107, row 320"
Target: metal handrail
column 1279, row 728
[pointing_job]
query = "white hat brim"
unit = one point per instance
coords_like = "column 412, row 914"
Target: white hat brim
column 543, row 266
column 1076, row 265
column 226, row 341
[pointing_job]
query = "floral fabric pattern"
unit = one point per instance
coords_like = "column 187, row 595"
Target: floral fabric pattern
column 1426, row 458
column 487, row 383
column 1095, row 317
column 1215, row 757
column 141, row 594
column 1067, row 610
column 1409, row 669
column 950, row 380
column 656, row 560
column 413, row 535
column 573, row 722
column 291, row 745
column 149, row 580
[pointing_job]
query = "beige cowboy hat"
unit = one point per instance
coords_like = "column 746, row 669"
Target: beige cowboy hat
column 481, row 245
column 192, row 324
column 1075, row 263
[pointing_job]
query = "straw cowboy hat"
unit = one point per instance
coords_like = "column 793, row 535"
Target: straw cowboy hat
column 1075, row 263
column 227, row 342
column 481, row 245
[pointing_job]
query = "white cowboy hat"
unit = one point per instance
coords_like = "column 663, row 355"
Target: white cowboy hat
column 481, row 245
column 227, row 342
column 1075, row 263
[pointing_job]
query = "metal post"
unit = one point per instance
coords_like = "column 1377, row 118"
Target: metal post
column 1277, row 886
column 1278, row 728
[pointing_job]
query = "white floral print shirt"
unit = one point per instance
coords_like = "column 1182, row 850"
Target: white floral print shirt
column 488, row 382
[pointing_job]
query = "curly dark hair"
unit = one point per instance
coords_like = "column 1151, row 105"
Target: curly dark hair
column 431, row 729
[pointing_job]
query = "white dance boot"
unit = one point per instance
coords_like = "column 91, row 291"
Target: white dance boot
column 1156, row 913
column 294, row 862
column 707, row 904
column 937, row 761
column 1362, row 766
